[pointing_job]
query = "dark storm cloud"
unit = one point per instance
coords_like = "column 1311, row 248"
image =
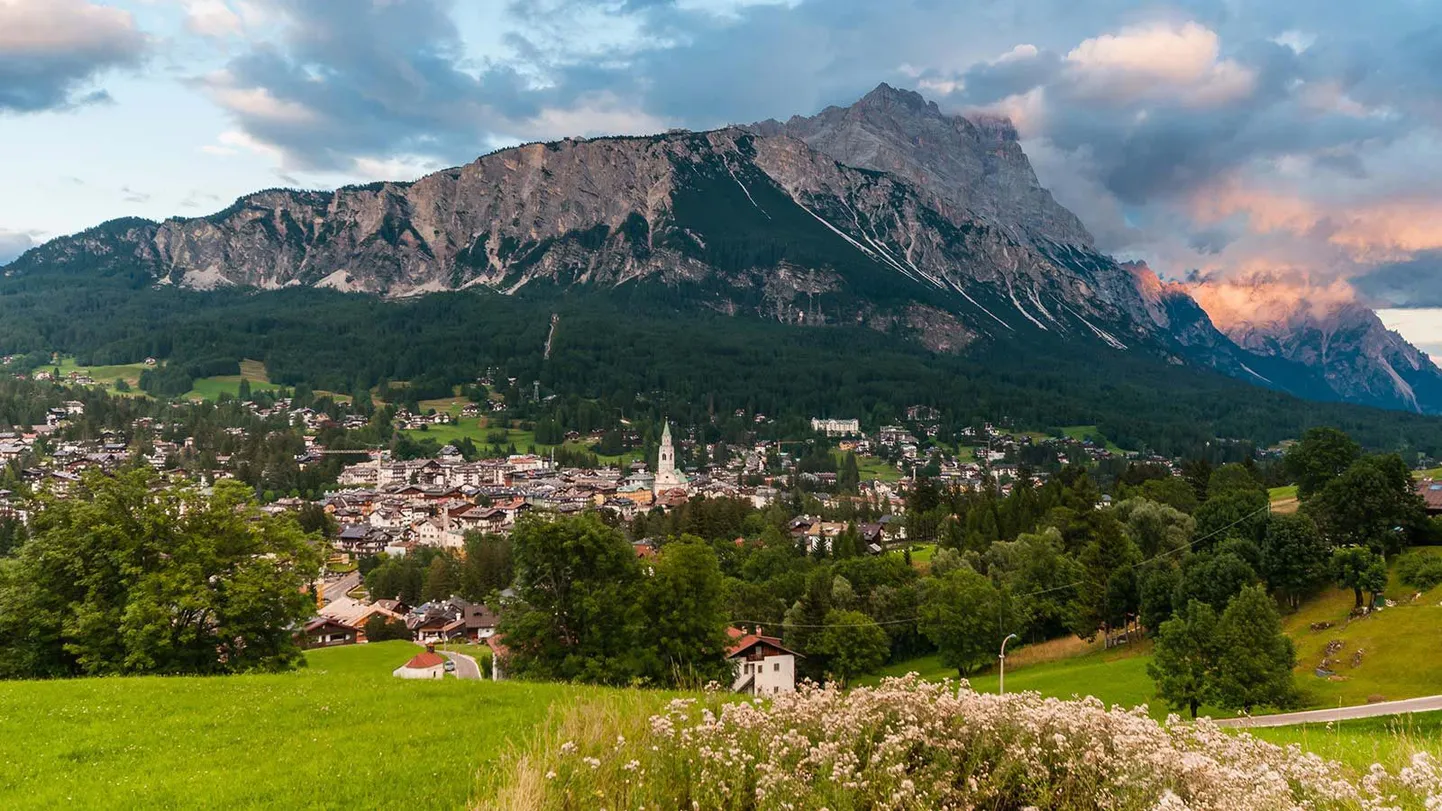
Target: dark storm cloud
column 1413, row 283
column 353, row 79
column 52, row 51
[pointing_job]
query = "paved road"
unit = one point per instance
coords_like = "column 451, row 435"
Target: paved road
column 342, row 586
column 1340, row 714
column 466, row 667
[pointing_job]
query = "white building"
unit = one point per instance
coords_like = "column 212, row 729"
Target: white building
column 763, row 665
column 667, row 476
column 836, row 427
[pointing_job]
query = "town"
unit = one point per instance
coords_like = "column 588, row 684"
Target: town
column 407, row 520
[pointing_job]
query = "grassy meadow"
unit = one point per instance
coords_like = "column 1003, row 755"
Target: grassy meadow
column 106, row 375
column 210, row 388
column 343, row 733
column 1388, row 740
column 340, row 733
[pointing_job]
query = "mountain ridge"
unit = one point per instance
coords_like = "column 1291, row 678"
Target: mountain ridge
column 888, row 214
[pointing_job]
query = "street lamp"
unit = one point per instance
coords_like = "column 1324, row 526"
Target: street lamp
column 1002, row 681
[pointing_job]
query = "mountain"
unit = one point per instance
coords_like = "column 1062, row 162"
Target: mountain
column 1324, row 329
column 974, row 164
column 887, row 214
column 752, row 224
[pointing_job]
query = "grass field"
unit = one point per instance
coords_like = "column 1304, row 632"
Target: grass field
column 871, row 467
column 107, row 375
column 1284, row 499
column 341, row 733
column 210, row 388
column 1080, row 432
column 479, row 428
column 1116, row 677
column 1390, row 740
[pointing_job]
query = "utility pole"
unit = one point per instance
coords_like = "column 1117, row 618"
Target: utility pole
column 1001, row 682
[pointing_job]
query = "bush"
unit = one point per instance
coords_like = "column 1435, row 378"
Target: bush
column 909, row 744
column 1421, row 571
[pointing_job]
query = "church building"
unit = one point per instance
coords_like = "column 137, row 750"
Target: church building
column 667, row 476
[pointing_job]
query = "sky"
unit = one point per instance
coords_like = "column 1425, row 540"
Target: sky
column 1219, row 139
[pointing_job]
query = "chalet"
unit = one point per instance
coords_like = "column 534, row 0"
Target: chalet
column 763, row 665
column 361, row 540
column 326, row 632
column 427, row 665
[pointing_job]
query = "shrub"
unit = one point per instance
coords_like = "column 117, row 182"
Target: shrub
column 912, row 745
column 1420, row 571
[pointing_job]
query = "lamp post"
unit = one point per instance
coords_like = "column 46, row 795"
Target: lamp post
column 1002, row 680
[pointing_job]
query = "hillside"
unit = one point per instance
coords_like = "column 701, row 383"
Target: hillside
column 1400, row 658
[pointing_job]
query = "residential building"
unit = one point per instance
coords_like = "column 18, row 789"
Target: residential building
column 763, row 665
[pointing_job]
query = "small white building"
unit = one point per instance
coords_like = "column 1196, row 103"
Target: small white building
column 427, row 665
column 763, row 665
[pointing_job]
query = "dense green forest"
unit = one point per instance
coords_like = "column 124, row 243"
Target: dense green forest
column 649, row 349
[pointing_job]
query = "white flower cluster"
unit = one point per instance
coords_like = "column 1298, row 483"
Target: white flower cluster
column 910, row 744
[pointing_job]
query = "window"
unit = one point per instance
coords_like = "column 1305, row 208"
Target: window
column 776, row 668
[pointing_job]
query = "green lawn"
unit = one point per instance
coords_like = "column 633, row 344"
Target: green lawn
column 921, row 554
column 1390, row 740
column 1115, row 677
column 1283, row 493
column 478, row 429
column 210, row 388
column 871, row 467
column 1402, row 658
column 341, row 733
column 105, row 375
column 1080, row 432
column 1434, row 473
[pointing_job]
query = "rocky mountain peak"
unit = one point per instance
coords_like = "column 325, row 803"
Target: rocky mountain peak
column 885, row 98
column 970, row 164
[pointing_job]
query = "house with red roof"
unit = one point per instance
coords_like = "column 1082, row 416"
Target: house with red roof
column 425, row 665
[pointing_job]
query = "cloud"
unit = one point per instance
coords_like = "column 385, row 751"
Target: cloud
column 341, row 81
column 1157, row 62
column 52, row 51
column 1268, row 298
column 1414, row 282
column 14, row 243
